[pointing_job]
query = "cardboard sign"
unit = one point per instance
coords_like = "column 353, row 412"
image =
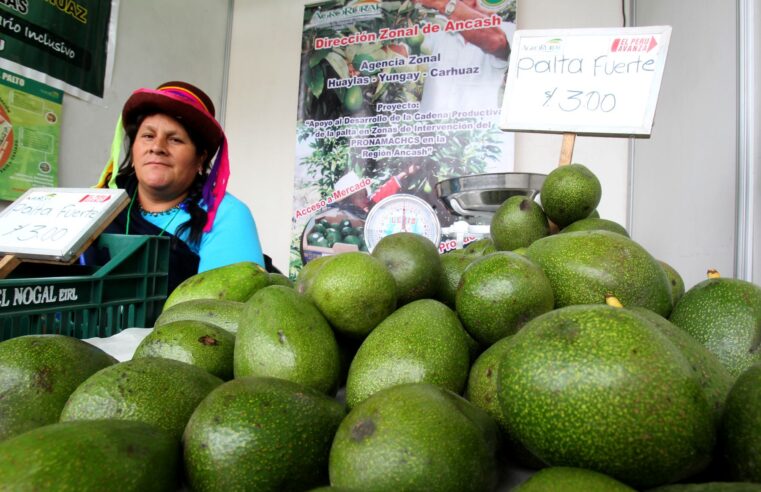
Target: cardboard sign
column 57, row 223
column 586, row 81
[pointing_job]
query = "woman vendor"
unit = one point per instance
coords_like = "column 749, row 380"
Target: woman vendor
column 172, row 137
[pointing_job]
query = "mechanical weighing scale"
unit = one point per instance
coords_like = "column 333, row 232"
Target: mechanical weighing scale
column 476, row 197
column 473, row 199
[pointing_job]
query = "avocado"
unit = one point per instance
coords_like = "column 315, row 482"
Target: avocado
column 280, row 279
column 480, row 247
column 570, row 479
column 585, row 266
column 676, row 281
column 414, row 262
column 599, row 387
column 498, row 293
column 518, row 222
column 724, row 314
column 162, row 392
column 90, row 456
column 481, row 391
column 422, row 341
column 570, row 193
column 354, row 291
column 595, row 224
column 307, row 271
column 740, row 439
column 195, row 342
column 218, row 312
column 282, row 334
column 235, row 282
column 453, row 264
column 714, row 378
column 37, row 375
column 260, row 434
column 414, row 436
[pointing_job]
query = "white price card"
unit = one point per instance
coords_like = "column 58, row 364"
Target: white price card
column 55, row 223
column 586, row 81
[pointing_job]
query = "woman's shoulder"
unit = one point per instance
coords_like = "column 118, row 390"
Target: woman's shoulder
column 231, row 204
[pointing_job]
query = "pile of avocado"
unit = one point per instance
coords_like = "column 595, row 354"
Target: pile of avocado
column 325, row 234
column 556, row 355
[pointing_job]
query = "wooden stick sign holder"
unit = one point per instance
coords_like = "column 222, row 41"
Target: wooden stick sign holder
column 602, row 82
column 566, row 149
column 7, row 264
column 55, row 225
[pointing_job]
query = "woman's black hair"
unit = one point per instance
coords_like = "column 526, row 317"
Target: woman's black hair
column 198, row 215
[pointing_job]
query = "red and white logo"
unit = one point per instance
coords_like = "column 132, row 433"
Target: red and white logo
column 633, row 44
column 95, row 198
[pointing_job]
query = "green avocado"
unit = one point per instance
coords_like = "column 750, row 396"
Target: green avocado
column 282, row 334
column 714, row 378
column 676, row 281
column 585, row 266
column 480, row 247
column 37, row 375
column 258, row 434
column 498, row 293
column 162, row 392
column 453, row 264
column 595, row 224
column 194, row 342
column 422, row 341
column 481, row 391
column 724, row 314
column 518, row 222
column 280, row 279
column 306, row 273
column 414, row 436
column 414, row 262
column 313, row 237
column 93, row 455
column 235, row 282
column 740, row 439
column 599, row 387
column 354, row 291
column 218, row 312
column 570, row 479
column 570, row 193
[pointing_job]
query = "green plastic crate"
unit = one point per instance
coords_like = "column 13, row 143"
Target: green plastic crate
column 127, row 291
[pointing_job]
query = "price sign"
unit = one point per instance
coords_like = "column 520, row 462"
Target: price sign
column 57, row 223
column 594, row 81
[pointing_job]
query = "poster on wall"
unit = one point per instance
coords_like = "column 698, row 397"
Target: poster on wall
column 67, row 44
column 394, row 96
column 30, row 129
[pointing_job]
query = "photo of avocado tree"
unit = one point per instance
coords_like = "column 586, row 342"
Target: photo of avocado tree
column 379, row 58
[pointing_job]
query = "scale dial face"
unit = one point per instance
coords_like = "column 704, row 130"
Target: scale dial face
column 401, row 213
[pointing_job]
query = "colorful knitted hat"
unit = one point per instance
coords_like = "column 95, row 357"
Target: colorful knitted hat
column 191, row 107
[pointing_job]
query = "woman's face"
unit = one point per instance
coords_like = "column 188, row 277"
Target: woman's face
column 165, row 157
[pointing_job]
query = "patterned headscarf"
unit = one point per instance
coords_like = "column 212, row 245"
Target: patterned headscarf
column 192, row 107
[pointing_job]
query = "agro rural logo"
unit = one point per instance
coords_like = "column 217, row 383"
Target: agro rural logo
column 493, row 4
column 358, row 10
column 549, row 45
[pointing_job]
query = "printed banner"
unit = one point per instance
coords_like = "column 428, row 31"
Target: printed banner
column 394, row 96
column 30, row 130
column 67, row 44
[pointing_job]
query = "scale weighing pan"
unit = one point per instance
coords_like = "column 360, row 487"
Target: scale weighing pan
column 482, row 194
